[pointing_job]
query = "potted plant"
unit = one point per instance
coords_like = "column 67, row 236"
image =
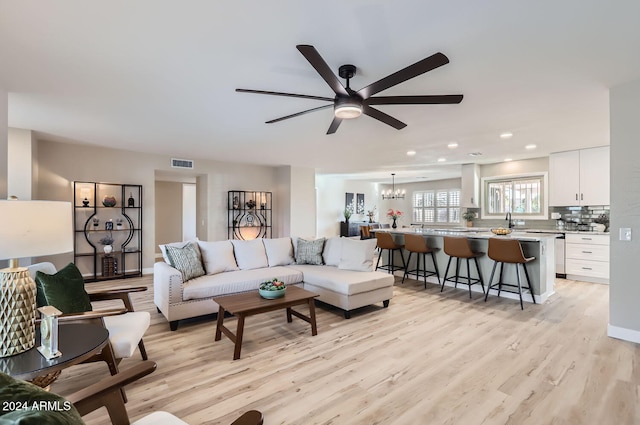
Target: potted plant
column 107, row 241
column 347, row 215
column 468, row 216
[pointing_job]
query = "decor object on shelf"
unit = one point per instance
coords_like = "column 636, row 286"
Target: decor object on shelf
column 393, row 193
column 251, row 204
column 108, row 225
column 37, row 228
column 348, row 103
column 394, row 215
column 131, row 202
column 86, row 193
column 272, row 289
column 109, row 201
column 96, row 221
column 468, row 216
column 107, row 241
column 118, row 224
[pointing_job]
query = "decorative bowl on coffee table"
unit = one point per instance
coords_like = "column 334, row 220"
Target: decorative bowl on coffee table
column 272, row 289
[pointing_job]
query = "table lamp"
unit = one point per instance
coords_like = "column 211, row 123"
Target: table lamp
column 29, row 229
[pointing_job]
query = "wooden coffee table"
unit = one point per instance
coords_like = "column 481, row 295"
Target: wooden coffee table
column 251, row 303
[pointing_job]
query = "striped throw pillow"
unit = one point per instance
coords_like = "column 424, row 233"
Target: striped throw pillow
column 186, row 260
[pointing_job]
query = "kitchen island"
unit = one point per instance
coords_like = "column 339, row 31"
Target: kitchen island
column 540, row 245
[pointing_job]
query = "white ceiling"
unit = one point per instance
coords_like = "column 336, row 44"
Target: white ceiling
column 160, row 76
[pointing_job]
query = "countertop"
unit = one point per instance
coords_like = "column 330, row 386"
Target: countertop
column 474, row 233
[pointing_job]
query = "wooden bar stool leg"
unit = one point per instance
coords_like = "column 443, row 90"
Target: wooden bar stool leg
column 526, row 273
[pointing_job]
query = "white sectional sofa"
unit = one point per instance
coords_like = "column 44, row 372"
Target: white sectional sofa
column 340, row 270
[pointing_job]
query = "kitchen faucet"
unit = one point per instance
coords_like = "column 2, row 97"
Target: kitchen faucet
column 508, row 217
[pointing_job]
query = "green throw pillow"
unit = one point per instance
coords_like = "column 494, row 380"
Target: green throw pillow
column 26, row 404
column 186, row 260
column 310, row 252
column 63, row 290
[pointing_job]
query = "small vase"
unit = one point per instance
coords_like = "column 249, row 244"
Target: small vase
column 108, row 249
column 394, row 225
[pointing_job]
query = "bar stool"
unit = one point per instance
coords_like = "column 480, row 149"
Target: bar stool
column 508, row 251
column 385, row 241
column 460, row 248
column 418, row 244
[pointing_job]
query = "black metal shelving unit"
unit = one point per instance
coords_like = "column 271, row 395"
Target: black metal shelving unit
column 118, row 216
column 249, row 214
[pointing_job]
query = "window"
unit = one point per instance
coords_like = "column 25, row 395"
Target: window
column 522, row 196
column 436, row 206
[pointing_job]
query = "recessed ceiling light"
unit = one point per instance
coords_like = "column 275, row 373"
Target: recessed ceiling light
column 452, row 145
column 529, row 147
column 442, row 159
column 508, row 159
column 475, row 154
column 506, row 135
column 411, row 152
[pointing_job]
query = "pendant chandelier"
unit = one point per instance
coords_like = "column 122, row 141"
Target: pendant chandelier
column 393, row 193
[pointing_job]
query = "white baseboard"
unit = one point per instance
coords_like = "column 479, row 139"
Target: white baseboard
column 148, row 270
column 623, row 333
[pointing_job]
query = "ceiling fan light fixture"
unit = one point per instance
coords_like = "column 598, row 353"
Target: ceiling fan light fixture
column 347, row 108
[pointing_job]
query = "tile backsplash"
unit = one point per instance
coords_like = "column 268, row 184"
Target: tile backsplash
column 574, row 218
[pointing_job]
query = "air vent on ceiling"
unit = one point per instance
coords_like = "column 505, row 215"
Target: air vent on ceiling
column 181, row 163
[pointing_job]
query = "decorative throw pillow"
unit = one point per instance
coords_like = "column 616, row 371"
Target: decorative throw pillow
column 357, row 254
column 310, row 252
column 332, row 250
column 217, row 256
column 186, row 260
column 64, row 290
column 279, row 251
column 163, row 248
column 17, row 394
column 250, row 254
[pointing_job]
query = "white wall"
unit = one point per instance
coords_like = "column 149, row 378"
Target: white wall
column 331, row 199
column 624, row 290
column 189, row 211
column 4, row 129
column 62, row 163
column 21, row 174
column 168, row 217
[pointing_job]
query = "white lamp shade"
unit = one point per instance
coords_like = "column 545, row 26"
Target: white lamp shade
column 35, row 228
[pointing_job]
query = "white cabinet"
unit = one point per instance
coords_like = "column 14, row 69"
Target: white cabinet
column 587, row 257
column 579, row 177
column 470, row 186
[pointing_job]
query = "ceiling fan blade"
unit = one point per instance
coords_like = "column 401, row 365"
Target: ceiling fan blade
column 316, row 61
column 334, row 125
column 299, row 113
column 434, row 61
column 381, row 116
column 276, row 93
column 415, row 100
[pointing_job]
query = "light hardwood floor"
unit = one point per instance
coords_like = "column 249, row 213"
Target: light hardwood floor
column 430, row 358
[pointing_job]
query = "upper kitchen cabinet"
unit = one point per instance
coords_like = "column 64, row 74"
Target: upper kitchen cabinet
column 579, row 177
column 470, row 186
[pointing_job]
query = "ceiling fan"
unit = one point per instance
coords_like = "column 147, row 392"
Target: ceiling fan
column 349, row 104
